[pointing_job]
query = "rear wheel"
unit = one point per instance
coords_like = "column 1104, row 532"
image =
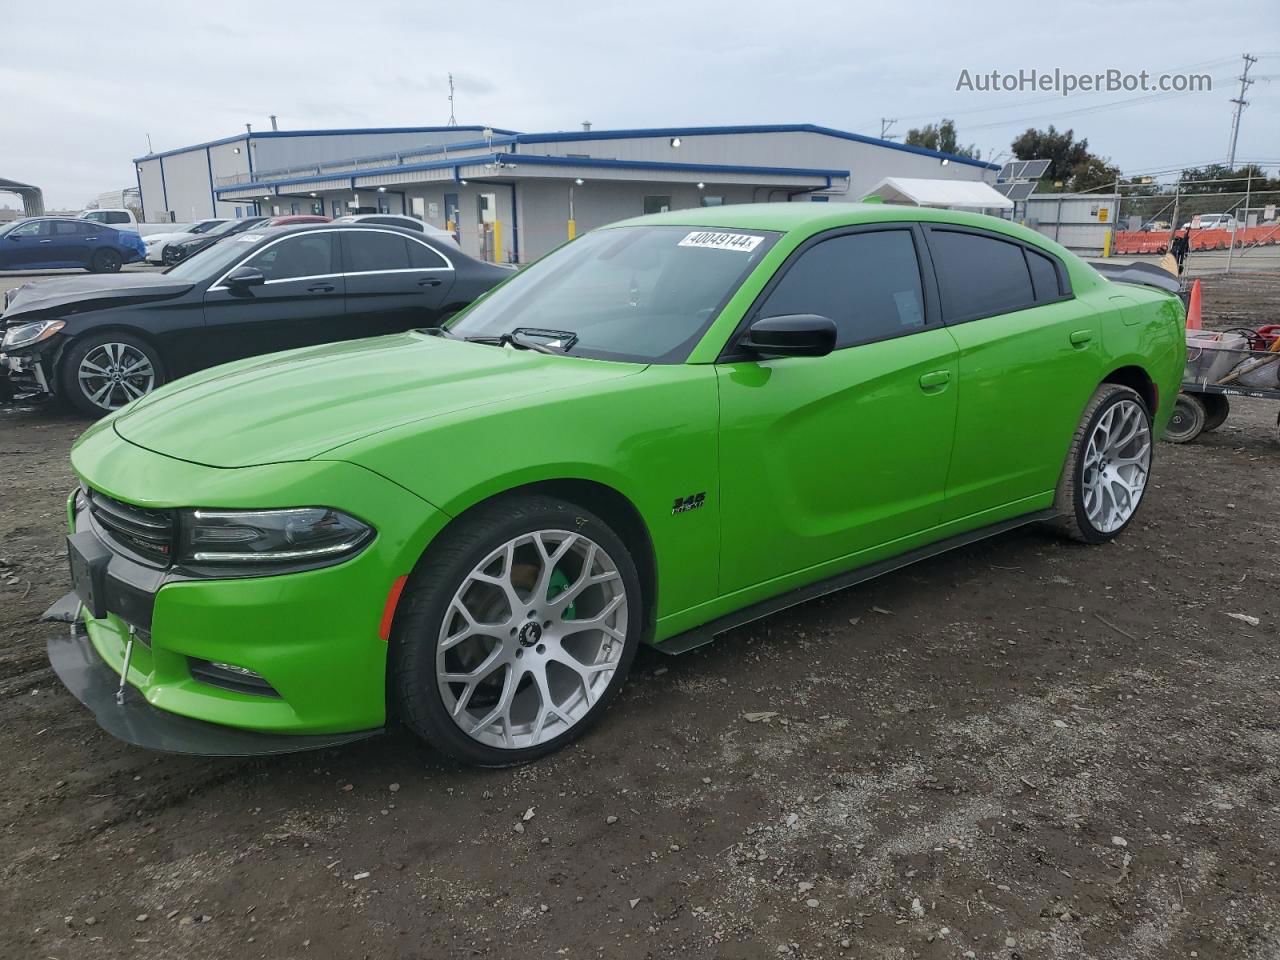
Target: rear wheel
column 1217, row 408
column 102, row 373
column 106, row 261
column 1107, row 467
column 516, row 631
column 1187, row 420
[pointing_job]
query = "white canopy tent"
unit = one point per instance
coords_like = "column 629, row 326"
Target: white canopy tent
column 949, row 194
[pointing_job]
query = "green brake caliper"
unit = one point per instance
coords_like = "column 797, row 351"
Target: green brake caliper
column 559, row 583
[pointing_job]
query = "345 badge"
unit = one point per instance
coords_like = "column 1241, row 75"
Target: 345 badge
column 691, row 502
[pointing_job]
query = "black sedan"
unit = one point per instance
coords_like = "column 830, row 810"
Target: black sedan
column 178, row 250
column 103, row 341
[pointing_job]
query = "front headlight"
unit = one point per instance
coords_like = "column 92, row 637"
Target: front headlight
column 26, row 334
column 302, row 535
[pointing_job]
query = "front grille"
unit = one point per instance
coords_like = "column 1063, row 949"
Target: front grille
column 148, row 534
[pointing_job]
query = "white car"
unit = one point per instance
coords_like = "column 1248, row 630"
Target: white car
column 156, row 242
column 1216, row 221
column 400, row 220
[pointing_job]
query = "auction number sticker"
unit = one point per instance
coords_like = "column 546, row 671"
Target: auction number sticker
column 743, row 242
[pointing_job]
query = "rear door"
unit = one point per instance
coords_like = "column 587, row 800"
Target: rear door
column 1030, row 358
column 302, row 302
column 71, row 241
column 394, row 281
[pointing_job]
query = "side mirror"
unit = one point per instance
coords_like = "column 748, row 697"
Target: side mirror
column 794, row 335
column 245, row 277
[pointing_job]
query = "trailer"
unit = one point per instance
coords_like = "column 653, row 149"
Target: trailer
column 1220, row 365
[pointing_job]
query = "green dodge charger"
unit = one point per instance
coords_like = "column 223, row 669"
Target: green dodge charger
column 666, row 428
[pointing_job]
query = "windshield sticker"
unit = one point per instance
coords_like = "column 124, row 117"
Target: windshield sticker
column 743, row 242
column 249, row 237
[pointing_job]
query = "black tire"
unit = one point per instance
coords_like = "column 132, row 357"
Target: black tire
column 1217, row 408
column 429, row 593
column 106, row 261
column 81, row 394
column 1188, row 419
column 1073, row 519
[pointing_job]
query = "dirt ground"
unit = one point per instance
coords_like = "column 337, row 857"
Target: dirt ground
column 1023, row 749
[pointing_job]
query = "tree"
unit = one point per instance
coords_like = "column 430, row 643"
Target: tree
column 1071, row 165
column 941, row 137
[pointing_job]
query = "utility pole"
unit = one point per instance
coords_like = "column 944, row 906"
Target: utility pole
column 1240, row 103
column 273, row 122
column 886, row 124
column 453, row 121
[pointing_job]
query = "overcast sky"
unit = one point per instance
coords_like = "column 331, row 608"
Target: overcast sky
column 84, row 83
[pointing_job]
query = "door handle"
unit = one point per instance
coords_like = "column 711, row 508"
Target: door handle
column 46, row 241
column 935, row 380
column 429, row 282
column 321, row 288
column 1081, row 337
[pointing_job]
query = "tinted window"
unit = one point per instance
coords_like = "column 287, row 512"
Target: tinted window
column 979, row 276
column 306, row 255
column 33, row 229
column 116, row 217
column 61, row 228
column 423, row 257
column 368, row 250
column 1044, row 276
column 868, row 283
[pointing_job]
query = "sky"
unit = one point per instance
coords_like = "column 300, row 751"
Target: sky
column 85, row 83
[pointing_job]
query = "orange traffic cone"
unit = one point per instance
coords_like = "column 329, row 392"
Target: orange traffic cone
column 1193, row 308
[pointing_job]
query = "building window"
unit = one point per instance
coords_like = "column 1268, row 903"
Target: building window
column 238, row 214
column 657, row 204
column 712, row 201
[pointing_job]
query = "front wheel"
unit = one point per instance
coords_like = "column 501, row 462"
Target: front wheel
column 103, row 372
column 1107, row 467
column 515, row 631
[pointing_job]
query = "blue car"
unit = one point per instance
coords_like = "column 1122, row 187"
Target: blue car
column 47, row 243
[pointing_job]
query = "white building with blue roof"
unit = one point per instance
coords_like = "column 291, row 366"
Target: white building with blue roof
column 511, row 196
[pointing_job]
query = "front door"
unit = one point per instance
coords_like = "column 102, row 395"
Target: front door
column 301, row 303
column 1030, row 358
column 824, row 458
column 394, row 282
column 28, row 245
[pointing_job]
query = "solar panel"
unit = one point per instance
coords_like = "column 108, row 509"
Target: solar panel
column 1004, row 188
column 1006, row 172
column 1021, row 191
column 1035, row 169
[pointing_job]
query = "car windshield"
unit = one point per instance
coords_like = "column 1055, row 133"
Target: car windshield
column 214, row 259
column 644, row 294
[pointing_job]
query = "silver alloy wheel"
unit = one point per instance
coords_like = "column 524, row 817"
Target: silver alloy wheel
column 1117, row 460
column 531, row 639
column 112, row 374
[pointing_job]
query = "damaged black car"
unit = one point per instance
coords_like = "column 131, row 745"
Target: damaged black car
column 103, row 341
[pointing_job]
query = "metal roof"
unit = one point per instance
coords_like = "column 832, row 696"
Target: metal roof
column 344, row 132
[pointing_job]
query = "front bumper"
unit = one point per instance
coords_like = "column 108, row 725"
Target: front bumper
column 312, row 636
column 24, row 376
column 131, row 719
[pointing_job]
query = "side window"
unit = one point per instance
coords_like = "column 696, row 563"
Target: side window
column 369, row 250
column 117, row 217
column 306, row 255
column 422, row 257
column 1044, row 277
column 979, row 276
column 868, row 283
column 36, row 228
column 65, row 228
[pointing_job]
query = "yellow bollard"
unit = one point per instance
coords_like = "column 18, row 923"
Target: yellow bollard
column 1106, row 244
column 573, row 229
column 497, row 241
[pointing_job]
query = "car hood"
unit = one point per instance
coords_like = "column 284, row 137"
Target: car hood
column 166, row 237
column 300, row 404
column 95, row 292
